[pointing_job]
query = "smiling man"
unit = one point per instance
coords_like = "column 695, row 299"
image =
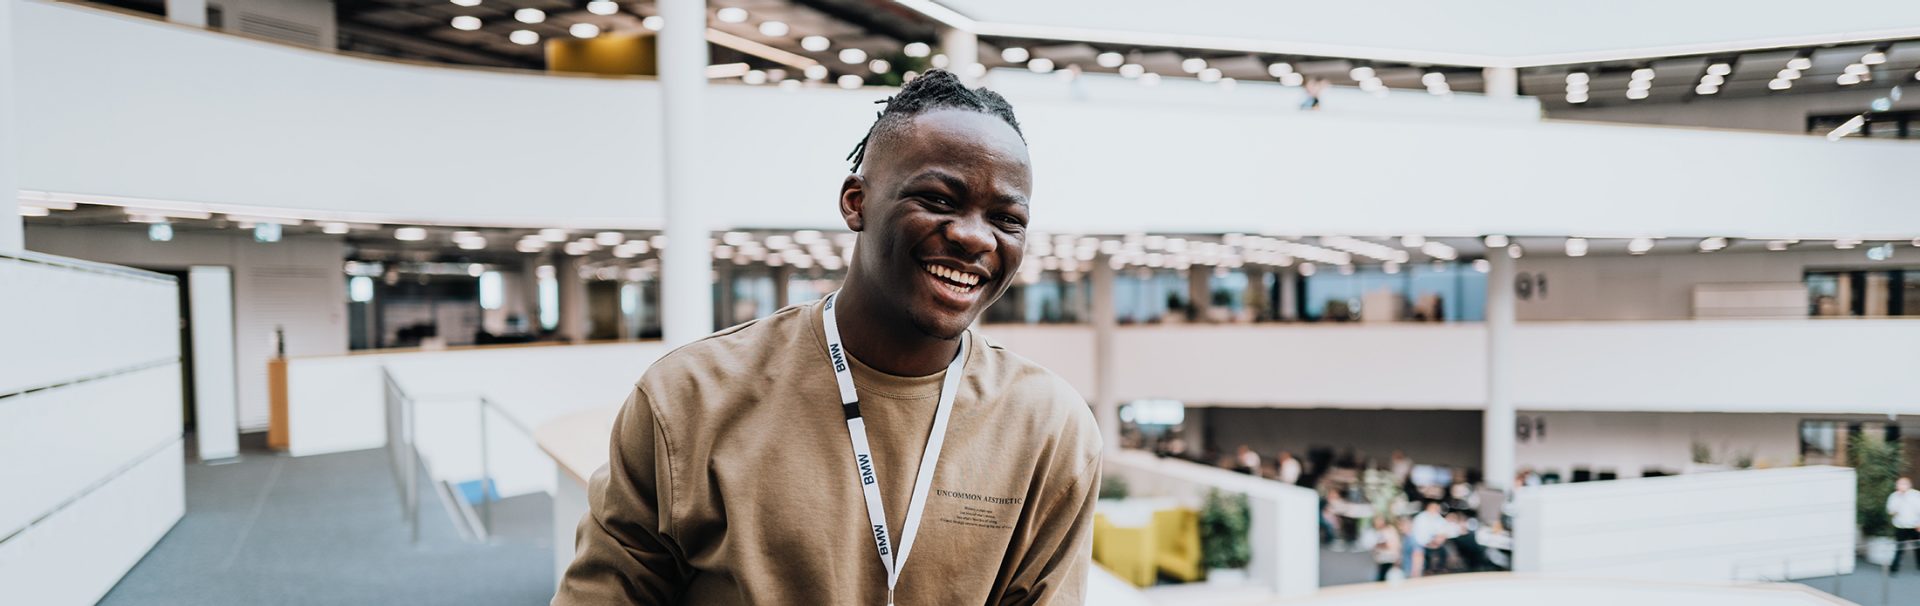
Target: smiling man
column 868, row 448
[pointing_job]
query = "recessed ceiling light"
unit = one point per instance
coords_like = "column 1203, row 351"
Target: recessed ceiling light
column 1209, row 75
column 333, row 228
column 1712, row 244
column 1712, row 79
column 1361, row 73
column 1705, row 89
column 1857, row 69
column 1640, row 246
column 731, row 14
column 467, row 3
column 609, row 238
column 1433, row 79
column 603, row 7
column 1788, row 74
column 1496, row 241
column 916, row 49
column 773, row 28
column 852, row 56
column 410, row 234
column 1110, row 60
column 160, row 232
column 879, row 66
column 1580, row 78
column 1874, row 58
column 1014, row 54
column 1800, row 63
column 1780, row 84
column 1293, row 79
column 816, row 72
column 1132, row 70
column 1719, row 69
column 1576, row 247
column 553, row 235
column 1577, row 98
column 530, row 15
column 851, row 81
column 1846, row 244
column 653, row 23
column 583, row 30
column 1644, row 73
column 524, row 37
column 1040, row 65
column 466, row 23
column 1847, row 79
column 816, row 43
column 1637, row 94
column 1193, row 65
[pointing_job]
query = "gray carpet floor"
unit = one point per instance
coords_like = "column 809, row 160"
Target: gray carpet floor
column 328, row 529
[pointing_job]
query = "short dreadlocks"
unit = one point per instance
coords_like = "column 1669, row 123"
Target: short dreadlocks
column 936, row 89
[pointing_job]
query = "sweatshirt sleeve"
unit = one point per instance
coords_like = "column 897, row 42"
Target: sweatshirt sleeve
column 1053, row 569
column 624, row 552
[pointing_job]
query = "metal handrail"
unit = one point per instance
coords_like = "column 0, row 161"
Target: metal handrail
column 1840, row 555
column 402, row 450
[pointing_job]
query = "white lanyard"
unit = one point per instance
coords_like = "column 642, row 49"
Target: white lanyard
column 863, row 454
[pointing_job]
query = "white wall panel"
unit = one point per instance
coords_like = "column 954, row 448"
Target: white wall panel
column 295, row 129
column 1283, row 534
column 1384, row 366
column 1699, row 527
column 76, row 555
column 60, row 324
column 1828, row 366
column 56, row 442
column 294, row 284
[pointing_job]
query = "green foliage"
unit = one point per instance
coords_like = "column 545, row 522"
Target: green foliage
column 1113, row 487
column 1876, row 466
column 1702, row 453
column 1223, row 531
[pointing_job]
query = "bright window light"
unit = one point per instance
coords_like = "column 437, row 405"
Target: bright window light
column 360, row 289
column 549, row 299
column 492, row 292
column 160, row 232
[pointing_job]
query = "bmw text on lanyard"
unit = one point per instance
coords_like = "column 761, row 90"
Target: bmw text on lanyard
column 863, row 454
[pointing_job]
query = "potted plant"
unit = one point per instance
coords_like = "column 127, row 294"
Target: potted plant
column 1113, row 488
column 1224, row 547
column 1876, row 466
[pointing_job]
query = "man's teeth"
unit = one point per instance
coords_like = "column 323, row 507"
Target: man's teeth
column 953, row 275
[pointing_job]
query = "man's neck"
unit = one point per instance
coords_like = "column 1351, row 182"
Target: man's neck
column 885, row 340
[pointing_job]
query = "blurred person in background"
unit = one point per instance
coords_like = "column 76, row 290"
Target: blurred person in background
column 1386, row 546
column 1289, row 468
column 1412, row 557
column 705, row 498
column 1246, row 461
column 1430, row 532
column 1904, row 506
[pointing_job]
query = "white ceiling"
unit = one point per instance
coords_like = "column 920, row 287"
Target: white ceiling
column 1455, row 32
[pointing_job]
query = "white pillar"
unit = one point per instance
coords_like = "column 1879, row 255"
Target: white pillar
column 686, row 271
column 187, row 12
column 963, row 53
column 1289, row 298
column 1501, row 82
column 11, row 237
column 1106, row 403
column 1497, row 421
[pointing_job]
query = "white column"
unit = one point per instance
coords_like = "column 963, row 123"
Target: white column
column 187, row 12
column 963, row 53
column 1106, row 403
column 11, row 238
column 1497, row 429
column 1501, row 82
column 1289, row 293
column 215, row 388
column 686, row 271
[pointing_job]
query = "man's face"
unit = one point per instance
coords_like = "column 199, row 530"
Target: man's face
column 941, row 207
column 1903, row 484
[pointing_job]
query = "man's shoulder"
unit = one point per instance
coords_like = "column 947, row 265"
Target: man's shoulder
column 749, row 347
column 1048, row 402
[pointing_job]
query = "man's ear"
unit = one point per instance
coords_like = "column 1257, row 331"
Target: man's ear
column 853, row 202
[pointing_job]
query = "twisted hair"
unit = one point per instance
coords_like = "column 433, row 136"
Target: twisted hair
column 936, row 89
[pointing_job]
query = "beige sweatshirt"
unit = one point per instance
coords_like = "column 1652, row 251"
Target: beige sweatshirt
column 731, row 481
